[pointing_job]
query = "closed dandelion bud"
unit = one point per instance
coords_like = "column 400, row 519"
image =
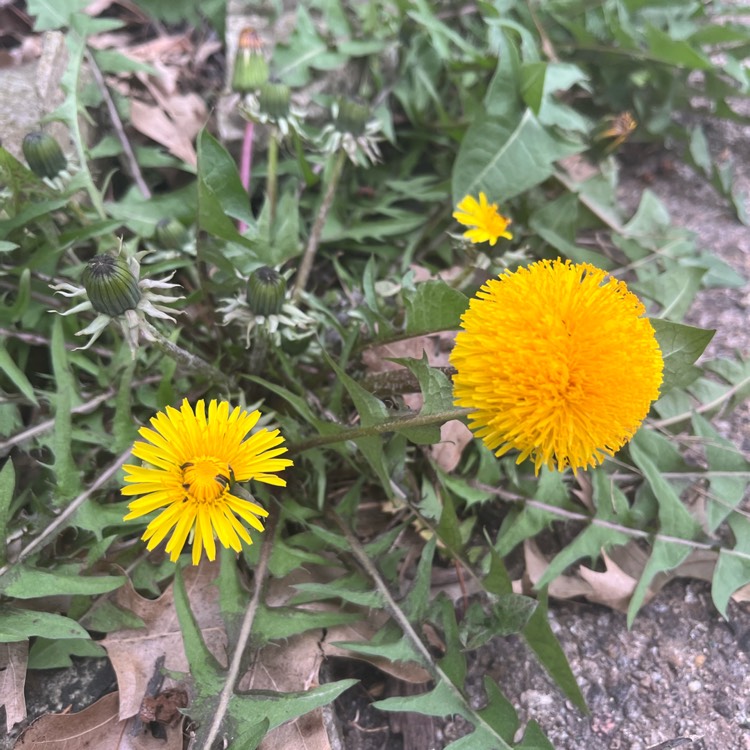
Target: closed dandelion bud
column 250, row 66
column 266, row 290
column 110, row 285
column 274, row 99
column 351, row 117
column 170, row 234
column 43, row 154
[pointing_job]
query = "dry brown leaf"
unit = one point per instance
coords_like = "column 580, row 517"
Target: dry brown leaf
column 97, row 726
column 157, row 125
column 613, row 587
column 287, row 667
column 563, row 587
column 134, row 652
column 13, row 660
column 362, row 632
column 454, row 437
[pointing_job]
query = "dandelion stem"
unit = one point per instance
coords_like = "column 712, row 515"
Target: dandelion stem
column 317, row 230
column 185, row 358
column 240, row 646
column 246, row 164
column 391, row 425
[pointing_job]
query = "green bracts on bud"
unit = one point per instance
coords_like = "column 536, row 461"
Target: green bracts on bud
column 170, row 234
column 250, row 67
column 274, row 99
column 351, row 117
column 110, row 285
column 266, row 291
column 43, row 154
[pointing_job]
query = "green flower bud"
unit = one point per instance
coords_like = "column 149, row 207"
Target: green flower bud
column 274, row 99
column 43, row 154
column 266, row 290
column 250, row 66
column 110, row 285
column 170, row 234
column 351, row 117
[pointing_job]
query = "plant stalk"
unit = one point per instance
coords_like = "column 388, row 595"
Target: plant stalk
column 391, row 425
column 305, row 268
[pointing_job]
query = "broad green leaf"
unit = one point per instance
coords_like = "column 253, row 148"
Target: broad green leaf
column 545, row 645
column 675, row 51
column 433, row 306
column 674, row 291
column 680, row 346
column 417, row 600
column 55, row 654
column 664, row 556
column 16, row 375
column 503, row 100
column 278, row 708
column 437, row 392
column 27, row 583
column 7, row 486
column 107, row 617
column 441, row 701
column 371, row 411
column 504, row 159
column 275, row 623
column 453, row 663
column 53, row 14
column 529, row 521
column 594, row 538
column 732, row 571
column 221, row 196
column 725, row 459
column 67, row 471
column 305, row 50
column 20, row 625
column 534, row 739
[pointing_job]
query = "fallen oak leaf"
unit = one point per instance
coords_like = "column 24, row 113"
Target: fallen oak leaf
column 133, row 652
column 97, row 726
column 613, row 587
column 13, row 660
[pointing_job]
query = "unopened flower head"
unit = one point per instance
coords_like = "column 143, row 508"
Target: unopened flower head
column 354, row 131
column 194, row 461
column 43, row 154
column 557, row 362
column 113, row 289
column 272, row 104
column 250, row 66
column 265, row 309
column 486, row 222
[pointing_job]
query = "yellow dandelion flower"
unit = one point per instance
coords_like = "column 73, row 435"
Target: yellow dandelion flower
column 487, row 223
column 194, row 460
column 558, row 363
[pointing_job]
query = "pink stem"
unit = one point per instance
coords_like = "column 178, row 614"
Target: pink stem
column 246, row 164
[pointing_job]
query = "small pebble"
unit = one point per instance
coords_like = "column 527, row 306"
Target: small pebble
column 694, row 686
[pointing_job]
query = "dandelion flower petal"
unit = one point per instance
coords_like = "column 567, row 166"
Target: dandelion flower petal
column 558, row 363
column 192, row 457
column 486, row 222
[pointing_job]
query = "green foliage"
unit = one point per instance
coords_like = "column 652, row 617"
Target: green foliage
column 354, row 369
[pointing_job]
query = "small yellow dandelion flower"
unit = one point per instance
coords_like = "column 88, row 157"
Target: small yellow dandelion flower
column 487, row 223
column 558, row 363
column 194, row 460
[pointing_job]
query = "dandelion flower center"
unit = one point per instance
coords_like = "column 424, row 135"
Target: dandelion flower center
column 558, row 363
column 206, row 480
column 193, row 458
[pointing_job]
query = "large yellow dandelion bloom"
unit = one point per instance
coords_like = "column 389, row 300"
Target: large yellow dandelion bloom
column 487, row 223
column 558, row 363
column 194, row 460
